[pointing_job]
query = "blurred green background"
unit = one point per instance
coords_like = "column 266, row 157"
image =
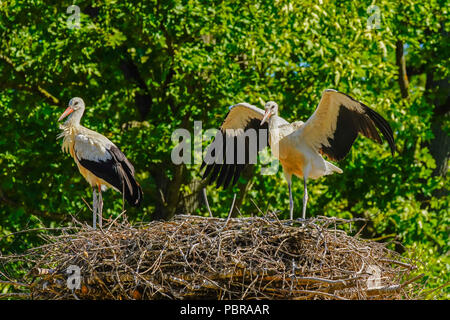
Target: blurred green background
column 145, row 69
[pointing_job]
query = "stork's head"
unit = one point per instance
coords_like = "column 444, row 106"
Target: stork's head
column 271, row 109
column 76, row 106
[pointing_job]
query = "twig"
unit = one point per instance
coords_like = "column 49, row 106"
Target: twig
column 262, row 213
column 393, row 288
column 205, row 197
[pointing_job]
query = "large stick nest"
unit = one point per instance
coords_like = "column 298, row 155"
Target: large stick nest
column 195, row 257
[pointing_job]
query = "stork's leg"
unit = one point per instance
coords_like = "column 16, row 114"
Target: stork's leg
column 305, row 198
column 123, row 195
column 291, row 202
column 94, row 208
column 100, row 207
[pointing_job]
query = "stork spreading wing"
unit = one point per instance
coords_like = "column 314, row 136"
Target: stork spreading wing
column 240, row 119
column 336, row 122
column 331, row 130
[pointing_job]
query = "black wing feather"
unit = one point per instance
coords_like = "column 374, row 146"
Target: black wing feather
column 119, row 172
column 351, row 122
column 226, row 174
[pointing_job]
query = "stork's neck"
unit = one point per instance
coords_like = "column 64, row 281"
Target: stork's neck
column 74, row 118
column 274, row 122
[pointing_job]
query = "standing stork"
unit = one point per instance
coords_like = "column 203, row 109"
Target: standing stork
column 299, row 146
column 100, row 162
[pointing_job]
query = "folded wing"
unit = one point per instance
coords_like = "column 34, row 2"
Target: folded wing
column 101, row 157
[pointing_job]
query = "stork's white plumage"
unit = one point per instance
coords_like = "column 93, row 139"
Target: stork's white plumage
column 99, row 160
column 299, row 146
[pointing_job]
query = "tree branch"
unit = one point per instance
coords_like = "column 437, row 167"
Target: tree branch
column 35, row 88
column 401, row 64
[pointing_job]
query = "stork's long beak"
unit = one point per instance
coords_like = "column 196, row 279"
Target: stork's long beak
column 68, row 111
column 266, row 117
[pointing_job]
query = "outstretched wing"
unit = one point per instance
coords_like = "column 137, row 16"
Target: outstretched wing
column 224, row 166
column 336, row 122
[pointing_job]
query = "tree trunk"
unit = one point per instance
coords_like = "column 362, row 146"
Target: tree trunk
column 247, row 174
column 440, row 148
column 193, row 200
column 401, row 64
column 440, row 145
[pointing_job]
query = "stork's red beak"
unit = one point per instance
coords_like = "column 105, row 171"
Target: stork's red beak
column 266, row 117
column 68, row 111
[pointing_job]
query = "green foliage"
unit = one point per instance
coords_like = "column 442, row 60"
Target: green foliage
column 147, row 68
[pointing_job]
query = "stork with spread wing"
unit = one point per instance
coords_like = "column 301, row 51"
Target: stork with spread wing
column 299, row 146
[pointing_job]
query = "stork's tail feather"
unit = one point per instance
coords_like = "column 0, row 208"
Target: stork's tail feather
column 131, row 188
column 331, row 168
column 135, row 197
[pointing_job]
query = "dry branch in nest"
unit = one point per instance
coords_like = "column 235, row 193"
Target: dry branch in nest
column 196, row 257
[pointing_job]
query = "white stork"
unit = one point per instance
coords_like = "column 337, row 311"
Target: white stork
column 99, row 160
column 299, row 146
